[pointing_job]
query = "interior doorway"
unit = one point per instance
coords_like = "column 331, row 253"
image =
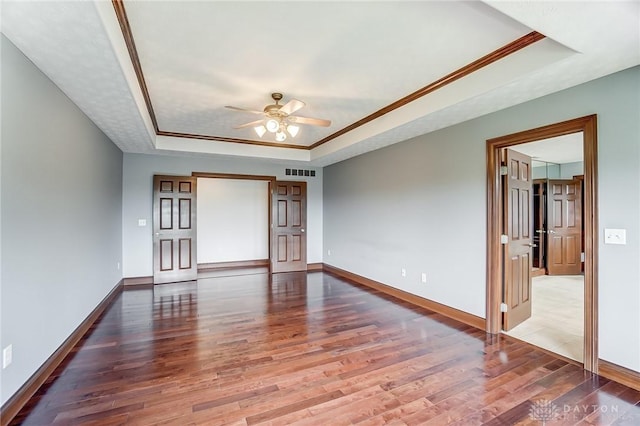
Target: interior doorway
column 554, row 319
column 496, row 250
column 233, row 223
column 282, row 229
column 286, row 220
column 260, row 225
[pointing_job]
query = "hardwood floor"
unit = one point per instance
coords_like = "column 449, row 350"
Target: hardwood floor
column 310, row 350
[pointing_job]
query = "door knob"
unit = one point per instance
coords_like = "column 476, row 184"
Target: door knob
column 551, row 231
column 531, row 245
column 540, row 231
column 302, row 230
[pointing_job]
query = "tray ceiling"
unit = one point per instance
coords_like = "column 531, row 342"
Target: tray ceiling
column 156, row 76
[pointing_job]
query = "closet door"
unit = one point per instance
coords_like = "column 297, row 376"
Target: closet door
column 174, row 229
column 289, row 251
column 564, row 227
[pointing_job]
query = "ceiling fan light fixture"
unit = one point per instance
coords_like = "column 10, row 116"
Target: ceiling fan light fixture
column 260, row 130
column 293, row 130
column 279, row 119
column 272, row 125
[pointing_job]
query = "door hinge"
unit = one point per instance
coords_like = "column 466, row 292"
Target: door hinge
column 504, row 307
column 504, row 239
column 582, row 257
column 504, row 170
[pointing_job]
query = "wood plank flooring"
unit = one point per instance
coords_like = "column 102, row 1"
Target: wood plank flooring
column 309, row 350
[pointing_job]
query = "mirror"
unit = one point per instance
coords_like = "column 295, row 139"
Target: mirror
column 545, row 170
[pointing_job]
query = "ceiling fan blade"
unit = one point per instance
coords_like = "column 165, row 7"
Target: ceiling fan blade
column 250, row 124
column 292, row 106
column 253, row 111
column 311, row 121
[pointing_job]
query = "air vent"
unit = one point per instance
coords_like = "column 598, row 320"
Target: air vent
column 299, row 172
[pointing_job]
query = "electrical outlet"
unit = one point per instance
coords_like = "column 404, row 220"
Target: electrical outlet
column 424, row 277
column 7, row 356
column 328, row 252
column 118, row 266
column 403, row 272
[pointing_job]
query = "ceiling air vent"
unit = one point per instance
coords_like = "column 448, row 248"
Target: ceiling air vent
column 299, row 172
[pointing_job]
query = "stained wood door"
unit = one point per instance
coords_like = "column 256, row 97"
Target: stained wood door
column 289, row 251
column 564, row 227
column 518, row 199
column 174, row 229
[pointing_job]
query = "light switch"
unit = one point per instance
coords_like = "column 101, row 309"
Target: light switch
column 142, row 222
column 615, row 236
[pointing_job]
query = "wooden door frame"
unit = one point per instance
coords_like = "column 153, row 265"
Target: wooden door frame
column 270, row 179
column 588, row 126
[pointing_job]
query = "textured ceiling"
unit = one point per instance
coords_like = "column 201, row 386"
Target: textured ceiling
column 344, row 59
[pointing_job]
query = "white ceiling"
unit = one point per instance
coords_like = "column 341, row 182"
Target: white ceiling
column 346, row 60
column 559, row 150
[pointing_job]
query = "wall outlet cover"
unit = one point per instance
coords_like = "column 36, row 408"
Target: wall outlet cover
column 7, row 356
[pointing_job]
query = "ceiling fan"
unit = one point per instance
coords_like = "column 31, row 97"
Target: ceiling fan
column 278, row 118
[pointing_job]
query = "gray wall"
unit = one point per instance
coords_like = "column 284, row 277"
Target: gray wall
column 558, row 171
column 421, row 205
column 569, row 170
column 61, row 191
column 550, row 171
column 138, row 200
